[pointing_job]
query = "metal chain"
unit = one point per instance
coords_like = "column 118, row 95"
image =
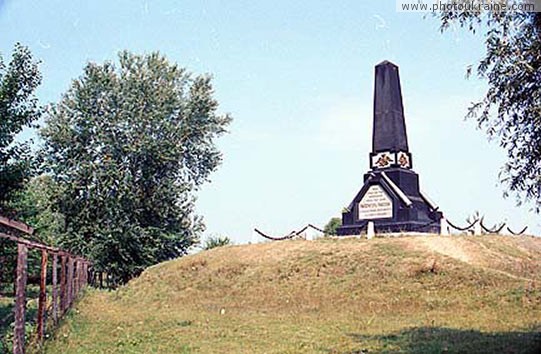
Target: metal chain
column 462, row 228
column 495, row 231
column 517, row 233
column 286, row 237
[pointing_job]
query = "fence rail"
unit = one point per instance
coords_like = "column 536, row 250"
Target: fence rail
column 74, row 276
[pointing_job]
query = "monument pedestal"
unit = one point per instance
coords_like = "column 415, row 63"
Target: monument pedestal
column 392, row 200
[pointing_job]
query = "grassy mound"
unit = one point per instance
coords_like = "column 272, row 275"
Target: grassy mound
column 408, row 295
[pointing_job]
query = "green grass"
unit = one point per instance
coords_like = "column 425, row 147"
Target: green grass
column 400, row 295
column 6, row 309
column 7, row 301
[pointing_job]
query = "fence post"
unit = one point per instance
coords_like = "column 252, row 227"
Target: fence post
column 370, row 232
column 42, row 300
column 444, row 227
column 75, row 278
column 63, row 285
column 55, row 289
column 2, row 262
column 76, row 268
column 20, row 300
column 84, row 273
column 79, row 276
column 477, row 229
column 69, row 282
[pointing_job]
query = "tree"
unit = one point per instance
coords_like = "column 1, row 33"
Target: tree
column 332, row 225
column 129, row 145
column 216, row 241
column 19, row 108
column 511, row 108
column 35, row 204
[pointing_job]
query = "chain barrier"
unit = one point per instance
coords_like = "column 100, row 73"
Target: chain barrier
column 291, row 235
column 462, row 228
column 286, row 237
column 517, row 233
column 496, row 230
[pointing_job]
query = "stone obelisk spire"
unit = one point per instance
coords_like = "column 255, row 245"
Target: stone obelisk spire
column 389, row 132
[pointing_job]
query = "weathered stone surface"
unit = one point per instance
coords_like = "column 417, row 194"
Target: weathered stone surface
column 389, row 130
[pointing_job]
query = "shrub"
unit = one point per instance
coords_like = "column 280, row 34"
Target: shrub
column 332, row 225
column 216, row 241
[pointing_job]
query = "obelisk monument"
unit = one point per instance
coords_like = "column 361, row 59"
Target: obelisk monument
column 390, row 196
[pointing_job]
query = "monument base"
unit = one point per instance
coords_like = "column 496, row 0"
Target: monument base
column 389, row 227
column 391, row 199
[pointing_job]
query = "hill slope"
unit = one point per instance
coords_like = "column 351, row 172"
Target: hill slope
column 409, row 294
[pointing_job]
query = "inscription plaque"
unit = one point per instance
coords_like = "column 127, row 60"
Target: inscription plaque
column 375, row 204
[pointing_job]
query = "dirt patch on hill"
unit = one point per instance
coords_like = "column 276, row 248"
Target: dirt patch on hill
column 514, row 257
column 462, row 249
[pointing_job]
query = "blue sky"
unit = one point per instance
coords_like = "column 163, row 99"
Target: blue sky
column 298, row 79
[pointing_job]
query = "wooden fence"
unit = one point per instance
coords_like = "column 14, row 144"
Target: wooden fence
column 74, row 272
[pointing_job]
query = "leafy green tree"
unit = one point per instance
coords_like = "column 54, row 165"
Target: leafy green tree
column 19, row 108
column 216, row 241
column 36, row 206
column 332, row 225
column 129, row 144
column 511, row 108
